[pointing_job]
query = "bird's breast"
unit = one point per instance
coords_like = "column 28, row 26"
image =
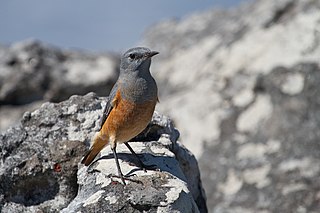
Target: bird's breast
column 128, row 118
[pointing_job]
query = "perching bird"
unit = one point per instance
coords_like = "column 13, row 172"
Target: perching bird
column 130, row 106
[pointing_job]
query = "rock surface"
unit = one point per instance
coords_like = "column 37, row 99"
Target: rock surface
column 267, row 157
column 40, row 160
column 242, row 86
column 210, row 60
column 32, row 71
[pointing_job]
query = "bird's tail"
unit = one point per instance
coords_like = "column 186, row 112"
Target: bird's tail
column 97, row 145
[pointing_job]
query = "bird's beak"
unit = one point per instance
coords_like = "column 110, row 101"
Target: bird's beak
column 152, row 53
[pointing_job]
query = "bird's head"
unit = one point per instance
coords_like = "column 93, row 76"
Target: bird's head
column 137, row 59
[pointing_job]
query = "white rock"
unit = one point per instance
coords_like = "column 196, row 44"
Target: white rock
column 293, row 188
column 251, row 150
column 93, row 198
column 294, row 84
column 243, row 98
column 232, row 185
column 257, row 176
column 259, row 111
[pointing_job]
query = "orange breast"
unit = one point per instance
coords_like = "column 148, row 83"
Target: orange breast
column 126, row 120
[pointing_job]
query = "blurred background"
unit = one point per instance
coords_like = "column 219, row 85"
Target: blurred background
column 240, row 80
column 96, row 25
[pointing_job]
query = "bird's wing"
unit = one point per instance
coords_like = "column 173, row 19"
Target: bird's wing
column 109, row 106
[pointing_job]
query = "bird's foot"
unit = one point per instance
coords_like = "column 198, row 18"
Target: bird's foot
column 145, row 167
column 124, row 178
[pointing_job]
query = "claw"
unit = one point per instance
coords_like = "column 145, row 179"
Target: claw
column 123, row 178
column 141, row 164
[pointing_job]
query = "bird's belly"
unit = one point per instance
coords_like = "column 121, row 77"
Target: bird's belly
column 127, row 120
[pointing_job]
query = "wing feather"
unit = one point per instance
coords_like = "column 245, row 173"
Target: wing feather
column 109, row 106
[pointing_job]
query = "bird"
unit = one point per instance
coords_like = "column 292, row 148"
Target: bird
column 129, row 108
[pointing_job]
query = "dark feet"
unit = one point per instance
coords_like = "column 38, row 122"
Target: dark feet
column 124, row 178
column 147, row 167
column 141, row 164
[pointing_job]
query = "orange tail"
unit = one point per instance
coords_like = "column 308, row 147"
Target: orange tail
column 97, row 146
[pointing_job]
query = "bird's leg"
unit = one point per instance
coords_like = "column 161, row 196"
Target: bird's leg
column 117, row 163
column 141, row 164
column 120, row 175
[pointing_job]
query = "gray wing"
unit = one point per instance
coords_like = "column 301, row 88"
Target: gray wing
column 108, row 107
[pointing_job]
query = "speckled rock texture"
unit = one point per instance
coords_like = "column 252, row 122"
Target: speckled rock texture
column 212, row 59
column 32, row 73
column 40, row 169
column 242, row 87
column 268, row 155
column 246, row 81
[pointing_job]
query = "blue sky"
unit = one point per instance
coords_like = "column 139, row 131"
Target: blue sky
column 96, row 25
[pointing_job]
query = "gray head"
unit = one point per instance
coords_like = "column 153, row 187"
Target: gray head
column 136, row 59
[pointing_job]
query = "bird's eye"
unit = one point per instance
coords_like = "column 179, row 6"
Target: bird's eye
column 132, row 56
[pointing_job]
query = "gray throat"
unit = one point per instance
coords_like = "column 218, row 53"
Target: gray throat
column 138, row 88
